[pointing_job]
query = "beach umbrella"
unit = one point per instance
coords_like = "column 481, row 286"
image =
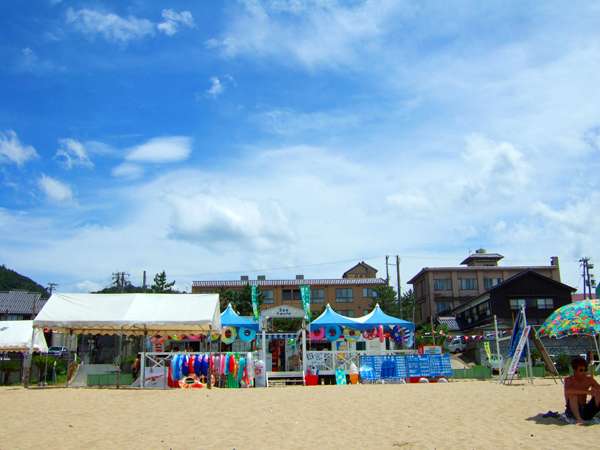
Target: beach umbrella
column 575, row 319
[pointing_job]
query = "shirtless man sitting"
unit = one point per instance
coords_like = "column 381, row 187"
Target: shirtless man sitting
column 577, row 388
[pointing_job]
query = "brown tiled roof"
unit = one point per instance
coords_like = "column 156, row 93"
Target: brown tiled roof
column 20, row 302
column 362, row 263
column 275, row 283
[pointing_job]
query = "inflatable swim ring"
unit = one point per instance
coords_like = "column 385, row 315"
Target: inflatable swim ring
column 396, row 335
column 215, row 336
column 228, row 336
column 370, row 334
column 351, row 334
column 246, row 334
column 333, row 332
column 318, row 335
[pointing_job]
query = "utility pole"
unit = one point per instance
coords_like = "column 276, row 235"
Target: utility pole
column 588, row 279
column 144, row 282
column 51, row 287
column 387, row 270
column 119, row 280
column 398, row 277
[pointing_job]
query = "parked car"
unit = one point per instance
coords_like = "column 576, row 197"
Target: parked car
column 456, row 345
column 59, row 352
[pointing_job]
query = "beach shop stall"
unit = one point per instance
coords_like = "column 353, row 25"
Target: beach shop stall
column 123, row 315
column 17, row 338
column 377, row 345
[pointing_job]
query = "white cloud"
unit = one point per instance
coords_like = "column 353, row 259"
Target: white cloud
column 55, row 190
column 73, row 153
column 161, row 150
column 287, row 122
column 127, row 170
column 110, row 26
column 313, row 34
column 11, row 149
column 216, row 87
column 173, row 20
column 211, row 220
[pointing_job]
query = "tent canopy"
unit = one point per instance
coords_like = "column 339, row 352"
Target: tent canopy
column 130, row 313
column 229, row 318
column 15, row 336
column 329, row 317
column 378, row 317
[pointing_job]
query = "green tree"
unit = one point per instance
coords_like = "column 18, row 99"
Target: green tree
column 386, row 297
column 161, row 285
column 240, row 300
column 407, row 305
column 424, row 336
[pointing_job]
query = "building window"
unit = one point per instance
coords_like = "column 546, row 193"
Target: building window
column 343, row 295
column 489, row 283
column 14, row 317
column 545, row 303
column 442, row 307
column 517, row 303
column 468, row 284
column 442, row 284
column 366, row 311
column 361, row 346
column 290, row 294
column 346, row 312
column 369, row 293
column 317, row 295
column 268, row 297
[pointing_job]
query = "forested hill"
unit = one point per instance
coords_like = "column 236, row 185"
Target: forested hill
column 9, row 280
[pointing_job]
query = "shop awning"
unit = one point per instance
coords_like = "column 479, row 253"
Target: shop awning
column 229, row 318
column 330, row 318
column 130, row 313
column 378, row 317
column 15, row 336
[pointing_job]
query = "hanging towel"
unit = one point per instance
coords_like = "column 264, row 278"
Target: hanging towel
column 191, row 363
column 197, row 365
column 240, row 369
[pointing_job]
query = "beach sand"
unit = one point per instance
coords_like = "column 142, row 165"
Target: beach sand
column 457, row 415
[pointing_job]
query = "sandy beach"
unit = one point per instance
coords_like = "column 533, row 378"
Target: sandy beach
column 458, row 415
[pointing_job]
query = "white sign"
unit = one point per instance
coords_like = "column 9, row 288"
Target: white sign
column 319, row 360
column 283, row 311
column 512, row 369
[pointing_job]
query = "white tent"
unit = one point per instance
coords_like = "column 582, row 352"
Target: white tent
column 130, row 313
column 15, row 336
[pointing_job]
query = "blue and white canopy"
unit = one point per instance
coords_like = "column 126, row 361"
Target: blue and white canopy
column 330, row 318
column 229, row 318
column 378, row 317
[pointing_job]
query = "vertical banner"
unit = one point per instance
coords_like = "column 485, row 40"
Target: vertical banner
column 305, row 295
column 254, row 295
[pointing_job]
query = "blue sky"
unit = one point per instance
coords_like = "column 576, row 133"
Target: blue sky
column 211, row 139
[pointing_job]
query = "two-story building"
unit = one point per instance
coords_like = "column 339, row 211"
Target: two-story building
column 438, row 290
column 350, row 295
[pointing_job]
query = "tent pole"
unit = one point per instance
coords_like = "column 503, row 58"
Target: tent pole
column 28, row 361
column 69, row 356
column 119, row 359
column 303, row 353
column 143, row 359
column 208, row 376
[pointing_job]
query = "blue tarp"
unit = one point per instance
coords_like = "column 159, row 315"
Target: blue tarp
column 329, row 317
column 229, row 318
column 378, row 317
